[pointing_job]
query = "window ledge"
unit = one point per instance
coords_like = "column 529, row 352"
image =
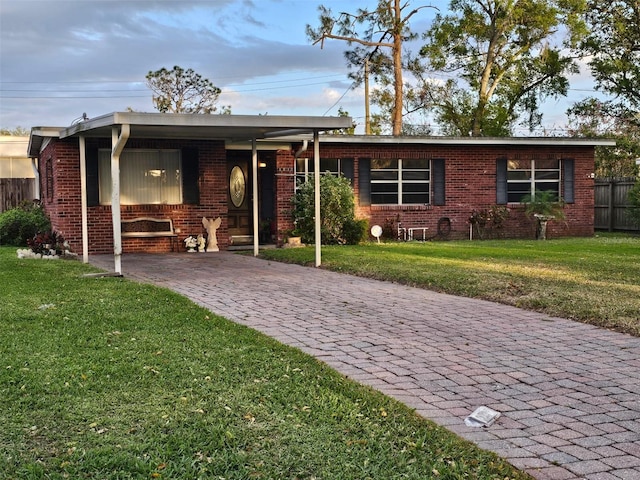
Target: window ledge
column 401, row 207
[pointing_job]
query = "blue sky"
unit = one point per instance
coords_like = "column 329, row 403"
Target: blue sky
column 62, row 58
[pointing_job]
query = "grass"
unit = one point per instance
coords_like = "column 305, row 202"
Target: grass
column 593, row 280
column 111, row 379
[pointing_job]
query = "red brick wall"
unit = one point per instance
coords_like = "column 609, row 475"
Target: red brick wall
column 64, row 208
column 285, row 189
column 60, row 194
column 470, row 185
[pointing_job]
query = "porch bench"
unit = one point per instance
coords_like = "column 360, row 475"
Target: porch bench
column 148, row 227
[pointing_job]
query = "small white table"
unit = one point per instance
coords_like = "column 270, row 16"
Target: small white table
column 411, row 232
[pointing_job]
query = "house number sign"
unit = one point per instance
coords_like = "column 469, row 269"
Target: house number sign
column 237, row 186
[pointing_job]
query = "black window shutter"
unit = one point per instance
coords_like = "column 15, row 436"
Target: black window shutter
column 568, row 176
column 190, row 175
column 347, row 169
column 364, row 182
column 501, row 182
column 93, row 188
column 438, row 178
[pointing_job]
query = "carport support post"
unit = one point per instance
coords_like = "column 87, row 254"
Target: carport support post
column 316, row 189
column 118, row 142
column 83, row 189
column 254, row 188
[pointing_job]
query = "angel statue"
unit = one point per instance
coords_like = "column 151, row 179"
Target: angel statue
column 211, row 226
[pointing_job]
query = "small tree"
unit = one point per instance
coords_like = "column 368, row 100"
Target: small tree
column 337, row 212
column 183, row 91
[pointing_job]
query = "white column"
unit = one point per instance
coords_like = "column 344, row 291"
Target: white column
column 118, row 142
column 83, row 199
column 254, row 188
column 316, row 180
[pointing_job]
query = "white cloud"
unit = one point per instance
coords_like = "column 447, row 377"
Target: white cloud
column 61, row 58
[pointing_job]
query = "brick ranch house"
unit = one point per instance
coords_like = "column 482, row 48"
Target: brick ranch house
column 186, row 167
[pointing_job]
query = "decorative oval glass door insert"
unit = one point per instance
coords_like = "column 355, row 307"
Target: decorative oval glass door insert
column 237, row 186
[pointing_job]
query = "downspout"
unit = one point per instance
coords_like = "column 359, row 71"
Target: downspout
column 118, row 142
column 36, row 175
column 303, row 148
column 296, row 155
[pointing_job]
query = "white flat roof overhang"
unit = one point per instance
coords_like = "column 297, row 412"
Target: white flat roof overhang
column 203, row 127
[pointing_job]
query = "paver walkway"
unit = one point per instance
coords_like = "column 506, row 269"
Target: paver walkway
column 569, row 393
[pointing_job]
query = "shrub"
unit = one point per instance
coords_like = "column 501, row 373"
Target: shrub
column 47, row 243
column 355, row 230
column 21, row 224
column 337, row 211
column 634, row 202
column 489, row 222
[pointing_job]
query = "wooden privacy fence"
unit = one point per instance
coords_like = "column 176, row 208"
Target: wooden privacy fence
column 612, row 203
column 15, row 190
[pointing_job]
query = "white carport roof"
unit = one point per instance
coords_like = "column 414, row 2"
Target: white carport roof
column 210, row 127
column 121, row 126
column 230, row 128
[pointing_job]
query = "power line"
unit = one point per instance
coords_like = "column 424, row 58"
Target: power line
column 224, row 90
column 101, row 82
column 341, row 97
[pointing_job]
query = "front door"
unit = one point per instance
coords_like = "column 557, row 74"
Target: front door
column 239, row 200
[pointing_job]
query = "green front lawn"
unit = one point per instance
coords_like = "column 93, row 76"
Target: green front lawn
column 109, row 379
column 594, row 280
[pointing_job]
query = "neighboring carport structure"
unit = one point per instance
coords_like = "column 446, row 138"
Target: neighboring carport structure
column 120, row 127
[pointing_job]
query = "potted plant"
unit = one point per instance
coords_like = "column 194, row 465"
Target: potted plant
column 543, row 206
column 293, row 238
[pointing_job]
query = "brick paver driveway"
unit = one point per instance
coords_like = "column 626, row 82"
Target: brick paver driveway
column 569, row 393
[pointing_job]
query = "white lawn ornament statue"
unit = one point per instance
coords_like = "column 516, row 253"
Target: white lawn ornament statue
column 211, row 226
column 191, row 243
column 201, row 243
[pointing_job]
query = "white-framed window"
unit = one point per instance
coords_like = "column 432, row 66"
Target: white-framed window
column 304, row 168
column 146, row 177
column 525, row 177
column 397, row 181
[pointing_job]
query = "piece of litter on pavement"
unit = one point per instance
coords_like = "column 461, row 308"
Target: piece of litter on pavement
column 482, row 417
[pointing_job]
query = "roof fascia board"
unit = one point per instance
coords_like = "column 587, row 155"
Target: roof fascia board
column 88, row 125
column 39, row 138
column 505, row 141
column 285, row 124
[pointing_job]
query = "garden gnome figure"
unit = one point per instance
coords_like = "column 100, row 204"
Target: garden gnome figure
column 211, row 226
